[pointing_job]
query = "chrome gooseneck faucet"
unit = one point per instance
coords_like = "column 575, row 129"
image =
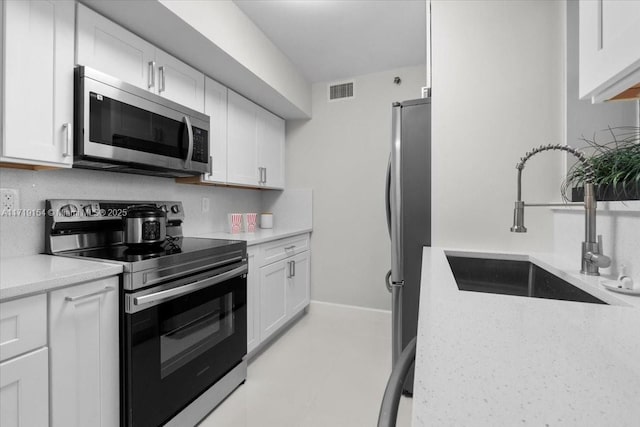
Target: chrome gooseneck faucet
column 592, row 257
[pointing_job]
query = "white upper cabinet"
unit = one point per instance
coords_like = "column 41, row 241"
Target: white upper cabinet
column 255, row 145
column 179, row 82
column 242, row 148
column 270, row 131
column 111, row 49
column 215, row 106
column 609, row 48
column 38, row 82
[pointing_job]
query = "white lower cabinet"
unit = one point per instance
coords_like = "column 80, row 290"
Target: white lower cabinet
column 83, row 341
column 273, row 294
column 299, row 272
column 24, row 367
column 280, row 282
column 24, row 390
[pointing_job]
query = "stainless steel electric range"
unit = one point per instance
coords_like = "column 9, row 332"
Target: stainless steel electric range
column 183, row 320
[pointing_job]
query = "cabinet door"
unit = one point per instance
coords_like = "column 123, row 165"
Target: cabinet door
column 609, row 47
column 179, row 82
column 83, row 331
column 298, row 282
column 242, row 150
column 273, row 294
column 270, row 135
column 24, row 390
column 215, row 106
column 38, row 86
column 253, row 301
column 109, row 48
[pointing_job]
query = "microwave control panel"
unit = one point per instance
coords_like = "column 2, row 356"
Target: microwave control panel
column 200, row 145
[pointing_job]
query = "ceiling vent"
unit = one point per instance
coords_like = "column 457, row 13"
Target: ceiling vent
column 340, row 91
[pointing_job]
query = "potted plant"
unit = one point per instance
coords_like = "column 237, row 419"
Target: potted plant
column 616, row 166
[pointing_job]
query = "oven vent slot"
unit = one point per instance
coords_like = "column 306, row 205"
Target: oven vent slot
column 340, row 91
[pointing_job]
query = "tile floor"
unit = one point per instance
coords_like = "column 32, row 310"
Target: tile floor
column 329, row 369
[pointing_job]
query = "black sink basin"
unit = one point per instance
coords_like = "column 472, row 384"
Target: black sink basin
column 521, row 278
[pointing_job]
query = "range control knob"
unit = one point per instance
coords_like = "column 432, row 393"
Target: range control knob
column 69, row 210
column 164, row 208
column 175, row 209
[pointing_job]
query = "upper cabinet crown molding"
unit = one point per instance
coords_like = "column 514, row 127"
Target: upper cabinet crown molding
column 609, row 49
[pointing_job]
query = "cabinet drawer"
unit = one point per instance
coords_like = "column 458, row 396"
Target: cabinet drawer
column 281, row 249
column 23, row 325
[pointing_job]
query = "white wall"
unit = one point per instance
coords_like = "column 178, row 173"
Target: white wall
column 23, row 235
column 342, row 154
column 497, row 92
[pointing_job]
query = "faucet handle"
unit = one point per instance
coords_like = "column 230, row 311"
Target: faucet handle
column 599, row 238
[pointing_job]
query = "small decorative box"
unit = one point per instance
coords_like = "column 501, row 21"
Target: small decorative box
column 235, row 223
column 250, row 221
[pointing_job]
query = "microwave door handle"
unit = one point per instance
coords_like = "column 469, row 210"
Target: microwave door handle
column 187, row 160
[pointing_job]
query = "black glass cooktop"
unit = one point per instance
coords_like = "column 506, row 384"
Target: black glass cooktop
column 171, row 246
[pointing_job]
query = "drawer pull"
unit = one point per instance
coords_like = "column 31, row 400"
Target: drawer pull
column 104, row 291
column 289, row 247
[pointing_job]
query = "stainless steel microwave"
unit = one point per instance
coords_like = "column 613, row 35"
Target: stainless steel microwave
column 122, row 128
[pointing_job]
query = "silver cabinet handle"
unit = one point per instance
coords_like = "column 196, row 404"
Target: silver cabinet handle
column 152, row 74
column 68, row 140
column 187, row 161
column 261, row 179
column 93, row 294
column 189, row 288
column 292, row 269
column 210, row 165
column 289, row 247
column 161, row 78
column 265, row 176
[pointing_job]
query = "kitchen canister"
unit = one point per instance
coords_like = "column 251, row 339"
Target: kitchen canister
column 250, row 220
column 234, row 223
column 266, row 220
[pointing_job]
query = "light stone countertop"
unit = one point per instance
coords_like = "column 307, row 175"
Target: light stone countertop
column 497, row 360
column 260, row 236
column 28, row 275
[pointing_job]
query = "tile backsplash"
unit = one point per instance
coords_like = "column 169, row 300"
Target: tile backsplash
column 23, row 235
column 619, row 225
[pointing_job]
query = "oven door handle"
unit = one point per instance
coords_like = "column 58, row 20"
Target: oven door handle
column 189, row 288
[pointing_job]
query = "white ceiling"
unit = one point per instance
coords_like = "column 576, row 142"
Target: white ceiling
column 329, row 40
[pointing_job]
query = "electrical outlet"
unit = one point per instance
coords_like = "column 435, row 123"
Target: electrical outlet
column 10, row 199
column 205, row 204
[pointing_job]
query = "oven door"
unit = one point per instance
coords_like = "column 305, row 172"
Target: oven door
column 180, row 339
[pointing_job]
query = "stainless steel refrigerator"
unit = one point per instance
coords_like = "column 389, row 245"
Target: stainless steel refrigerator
column 408, row 197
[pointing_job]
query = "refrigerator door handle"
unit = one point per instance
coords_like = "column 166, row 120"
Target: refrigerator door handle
column 387, row 201
column 395, row 197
